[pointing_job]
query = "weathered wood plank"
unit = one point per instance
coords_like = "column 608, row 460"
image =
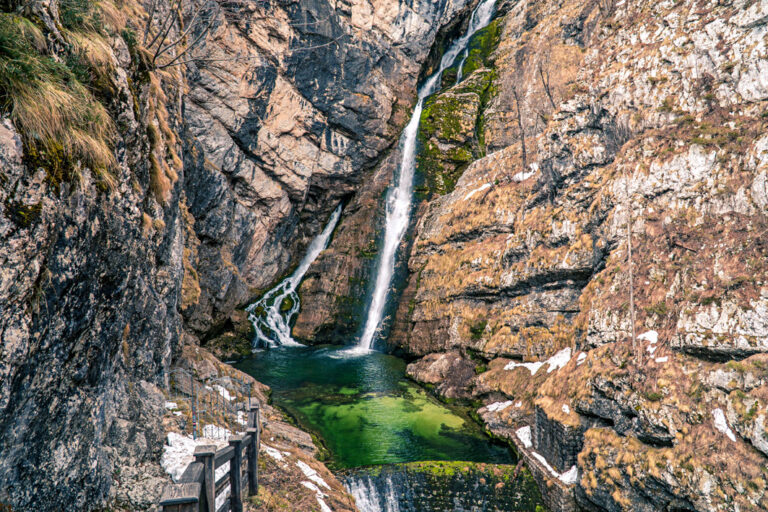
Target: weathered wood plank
column 236, row 474
column 181, row 493
column 205, row 455
column 223, row 455
column 193, row 473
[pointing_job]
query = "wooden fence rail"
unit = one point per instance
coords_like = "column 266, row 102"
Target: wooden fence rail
column 198, row 489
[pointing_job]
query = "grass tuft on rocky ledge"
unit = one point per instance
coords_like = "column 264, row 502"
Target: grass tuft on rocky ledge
column 51, row 99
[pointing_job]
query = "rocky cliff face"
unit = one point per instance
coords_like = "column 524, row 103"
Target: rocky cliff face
column 599, row 119
column 147, row 191
column 290, row 106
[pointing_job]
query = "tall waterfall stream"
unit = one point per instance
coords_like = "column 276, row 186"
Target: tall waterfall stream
column 358, row 400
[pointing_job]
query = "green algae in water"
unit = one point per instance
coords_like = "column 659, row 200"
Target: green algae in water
column 365, row 410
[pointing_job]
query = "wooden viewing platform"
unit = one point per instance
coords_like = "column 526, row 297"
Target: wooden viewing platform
column 198, row 488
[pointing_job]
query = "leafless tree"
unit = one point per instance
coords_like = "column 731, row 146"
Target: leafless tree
column 638, row 357
column 520, row 125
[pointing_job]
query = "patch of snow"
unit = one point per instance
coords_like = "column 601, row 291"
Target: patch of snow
column 522, row 176
column 312, row 474
column 222, row 497
column 171, row 406
column 566, row 409
column 532, row 367
column 546, row 464
column 275, row 454
column 519, row 404
column 216, row 432
column 499, row 406
column 662, row 359
column 178, row 453
column 582, row 357
column 242, row 418
column 479, row 189
column 559, row 360
column 524, row 435
column 722, row 425
column 652, row 348
column 650, row 336
column 555, row 362
column 221, row 471
column 177, row 413
column 319, row 495
column 571, row 476
column 224, row 392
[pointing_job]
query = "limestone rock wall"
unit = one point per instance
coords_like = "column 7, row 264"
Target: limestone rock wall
column 214, row 171
column 600, row 116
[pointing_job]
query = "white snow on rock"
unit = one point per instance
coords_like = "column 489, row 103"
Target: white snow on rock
column 499, row 406
column 582, row 357
column 479, row 189
column 555, row 362
column 177, row 454
column 532, row 367
column 223, row 392
column 171, row 406
column 522, row 176
column 312, row 474
column 242, row 418
column 571, row 476
column 722, row 425
column 566, row 409
column 559, row 360
column 272, row 452
column 524, row 435
column 662, row 359
column 650, row 336
column 546, row 464
column 216, row 432
column 319, row 495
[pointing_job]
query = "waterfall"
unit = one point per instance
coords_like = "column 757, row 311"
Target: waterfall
column 369, row 498
column 398, row 202
column 270, row 318
column 480, row 18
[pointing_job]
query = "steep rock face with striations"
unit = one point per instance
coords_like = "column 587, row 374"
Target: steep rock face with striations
column 606, row 118
column 147, row 191
column 290, row 105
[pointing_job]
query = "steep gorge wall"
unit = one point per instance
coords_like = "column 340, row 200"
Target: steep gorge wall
column 210, row 178
column 599, row 112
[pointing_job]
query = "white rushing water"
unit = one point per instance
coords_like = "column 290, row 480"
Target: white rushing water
column 398, row 206
column 272, row 324
column 480, row 18
column 369, row 499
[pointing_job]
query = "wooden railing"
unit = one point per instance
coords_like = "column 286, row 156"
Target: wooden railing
column 198, row 488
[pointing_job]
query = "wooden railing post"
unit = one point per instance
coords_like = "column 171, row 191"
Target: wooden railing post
column 205, row 454
column 254, row 430
column 236, row 474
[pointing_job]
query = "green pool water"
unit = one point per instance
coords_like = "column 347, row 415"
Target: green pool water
column 364, row 409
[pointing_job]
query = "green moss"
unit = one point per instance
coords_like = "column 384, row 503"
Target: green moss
column 286, row 305
column 23, row 215
column 481, row 46
column 477, row 329
column 654, row 396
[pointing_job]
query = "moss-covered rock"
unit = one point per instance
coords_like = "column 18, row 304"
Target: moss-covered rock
column 448, row 133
